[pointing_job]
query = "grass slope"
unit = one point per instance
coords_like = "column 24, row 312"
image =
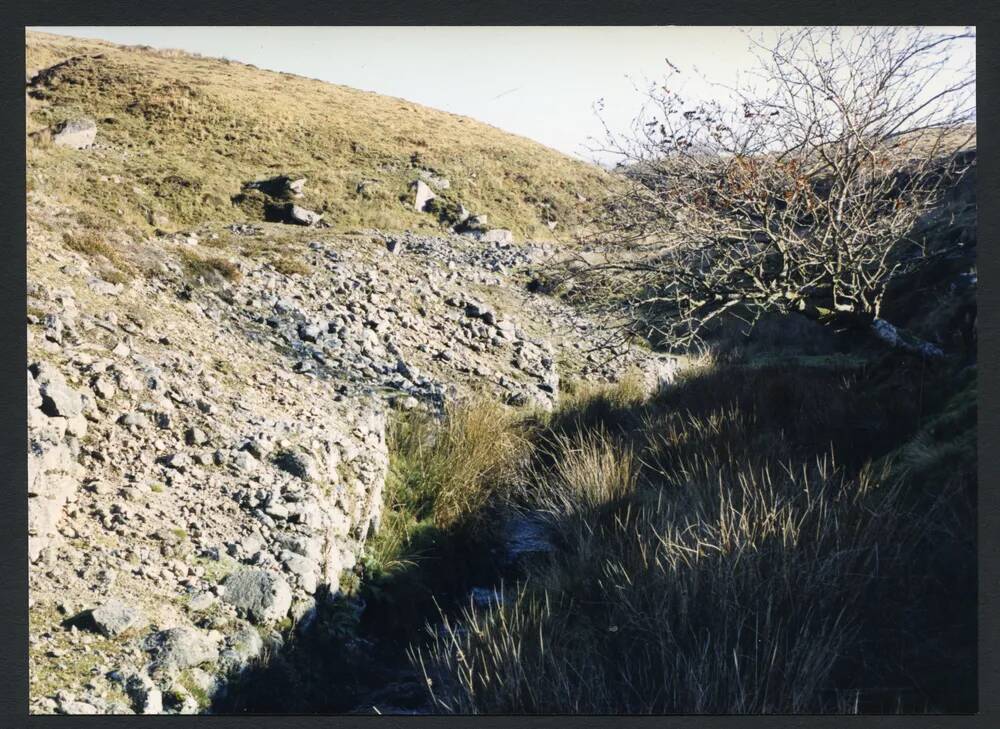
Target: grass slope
column 178, row 135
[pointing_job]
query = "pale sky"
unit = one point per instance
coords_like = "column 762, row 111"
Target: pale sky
column 539, row 82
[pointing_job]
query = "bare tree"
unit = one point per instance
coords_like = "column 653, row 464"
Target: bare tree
column 802, row 191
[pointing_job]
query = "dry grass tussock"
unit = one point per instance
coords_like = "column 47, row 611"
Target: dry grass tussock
column 456, row 463
column 444, row 471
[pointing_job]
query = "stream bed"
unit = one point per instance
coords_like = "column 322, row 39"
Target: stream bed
column 350, row 656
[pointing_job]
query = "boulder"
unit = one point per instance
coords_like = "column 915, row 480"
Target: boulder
column 498, row 235
column 240, row 648
column 301, row 216
column 298, row 463
column 75, row 133
column 195, row 436
column 115, row 617
column 244, row 461
column 180, row 648
column 479, row 310
column 422, row 195
column 310, row 332
column 292, row 214
column 178, row 461
column 58, row 398
column 146, row 697
column 264, row 596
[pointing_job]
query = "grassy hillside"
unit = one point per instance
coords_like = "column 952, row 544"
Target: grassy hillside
column 179, row 134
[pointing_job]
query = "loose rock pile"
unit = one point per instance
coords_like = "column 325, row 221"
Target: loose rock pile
column 206, row 459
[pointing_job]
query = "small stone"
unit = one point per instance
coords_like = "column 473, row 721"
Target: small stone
column 298, row 215
column 58, row 398
column 195, row 437
column 245, row 462
column 202, row 601
column 310, row 332
column 298, row 464
column 178, row 461
column 104, row 387
column 134, row 420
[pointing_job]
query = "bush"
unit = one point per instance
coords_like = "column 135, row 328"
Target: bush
column 801, row 192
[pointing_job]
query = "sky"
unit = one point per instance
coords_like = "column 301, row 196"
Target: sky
column 539, row 82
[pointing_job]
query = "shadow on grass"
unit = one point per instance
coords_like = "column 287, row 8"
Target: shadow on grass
column 914, row 644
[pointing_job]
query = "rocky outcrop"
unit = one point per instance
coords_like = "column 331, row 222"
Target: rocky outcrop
column 75, row 134
column 55, row 424
column 230, row 437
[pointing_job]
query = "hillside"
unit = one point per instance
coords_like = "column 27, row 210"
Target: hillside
column 381, row 463
column 178, row 135
column 210, row 394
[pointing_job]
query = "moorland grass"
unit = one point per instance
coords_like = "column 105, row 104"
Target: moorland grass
column 721, row 551
column 185, row 133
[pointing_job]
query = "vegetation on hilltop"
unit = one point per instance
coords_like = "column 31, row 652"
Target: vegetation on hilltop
column 179, row 135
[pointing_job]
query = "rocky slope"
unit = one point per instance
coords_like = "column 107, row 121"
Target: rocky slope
column 208, row 452
column 209, row 387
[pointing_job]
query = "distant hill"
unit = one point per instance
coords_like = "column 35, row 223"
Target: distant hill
column 179, row 134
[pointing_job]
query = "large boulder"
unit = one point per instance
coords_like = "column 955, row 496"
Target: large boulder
column 53, row 472
column 180, row 648
column 75, row 133
column 264, row 596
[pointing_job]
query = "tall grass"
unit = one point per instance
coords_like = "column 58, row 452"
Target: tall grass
column 713, row 556
column 443, row 471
